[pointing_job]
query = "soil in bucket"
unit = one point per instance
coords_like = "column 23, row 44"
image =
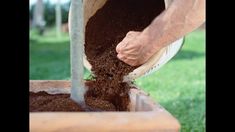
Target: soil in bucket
column 104, row 30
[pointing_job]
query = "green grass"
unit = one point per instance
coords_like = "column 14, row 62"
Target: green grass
column 179, row 86
column 49, row 56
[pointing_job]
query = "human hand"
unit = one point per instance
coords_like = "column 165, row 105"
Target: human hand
column 135, row 49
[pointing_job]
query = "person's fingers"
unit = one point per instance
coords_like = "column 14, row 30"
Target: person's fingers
column 132, row 51
column 132, row 33
column 121, row 57
column 131, row 63
column 132, row 57
column 132, row 47
column 118, row 48
column 121, row 46
column 130, row 60
column 124, row 59
column 132, row 54
column 135, row 60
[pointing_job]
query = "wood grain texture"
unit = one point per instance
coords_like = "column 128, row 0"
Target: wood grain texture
column 103, row 122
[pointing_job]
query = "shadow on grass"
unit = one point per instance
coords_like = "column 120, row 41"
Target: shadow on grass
column 187, row 54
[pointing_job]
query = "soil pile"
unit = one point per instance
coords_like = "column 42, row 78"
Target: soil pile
column 43, row 101
column 104, row 30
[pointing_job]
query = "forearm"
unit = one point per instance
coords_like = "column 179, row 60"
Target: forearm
column 182, row 17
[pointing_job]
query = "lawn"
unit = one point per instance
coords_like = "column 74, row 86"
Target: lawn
column 179, row 86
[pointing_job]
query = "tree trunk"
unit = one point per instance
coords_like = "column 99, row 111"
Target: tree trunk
column 76, row 32
column 38, row 16
column 58, row 19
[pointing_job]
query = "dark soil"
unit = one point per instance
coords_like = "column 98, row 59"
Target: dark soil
column 43, row 101
column 104, row 30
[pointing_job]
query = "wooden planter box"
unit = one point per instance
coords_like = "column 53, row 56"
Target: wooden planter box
column 145, row 116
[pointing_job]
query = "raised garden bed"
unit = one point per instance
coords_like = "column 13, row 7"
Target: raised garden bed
column 145, row 114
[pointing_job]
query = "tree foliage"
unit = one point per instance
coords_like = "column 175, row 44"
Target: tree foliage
column 49, row 12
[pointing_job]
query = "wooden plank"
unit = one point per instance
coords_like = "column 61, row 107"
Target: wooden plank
column 103, row 122
column 63, row 86
column 149, row 116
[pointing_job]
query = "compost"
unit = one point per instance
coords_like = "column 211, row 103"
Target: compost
column 104, row 30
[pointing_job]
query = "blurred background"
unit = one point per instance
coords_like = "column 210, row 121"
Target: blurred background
column 179, row 86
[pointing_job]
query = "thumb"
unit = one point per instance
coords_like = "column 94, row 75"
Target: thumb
column 120, row 46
